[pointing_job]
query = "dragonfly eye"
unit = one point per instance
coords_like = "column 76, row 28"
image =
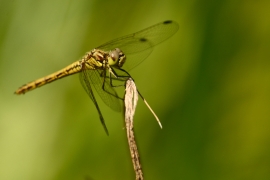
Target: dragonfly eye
column 114, row 55
column 117, row 57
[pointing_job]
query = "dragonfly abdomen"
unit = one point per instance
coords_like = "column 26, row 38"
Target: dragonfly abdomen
column 71, row 69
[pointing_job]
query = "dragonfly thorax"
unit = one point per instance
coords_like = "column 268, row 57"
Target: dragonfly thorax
column 116, row 58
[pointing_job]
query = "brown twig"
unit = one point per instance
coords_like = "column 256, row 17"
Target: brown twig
column 131, row 99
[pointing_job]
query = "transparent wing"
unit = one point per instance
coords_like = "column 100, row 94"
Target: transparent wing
column 108, row 94
column 142, row 40
column 134, row 60
column 85, row 81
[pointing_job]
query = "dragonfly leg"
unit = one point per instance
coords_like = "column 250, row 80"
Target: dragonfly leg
column 104, row 83
column 118, row 77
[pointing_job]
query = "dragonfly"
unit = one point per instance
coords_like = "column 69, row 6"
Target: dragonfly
column 106, row 64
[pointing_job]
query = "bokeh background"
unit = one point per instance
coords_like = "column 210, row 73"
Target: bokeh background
column 209, row 85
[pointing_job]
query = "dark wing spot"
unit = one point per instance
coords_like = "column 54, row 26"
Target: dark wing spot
column 167, row 22
column 143, row 39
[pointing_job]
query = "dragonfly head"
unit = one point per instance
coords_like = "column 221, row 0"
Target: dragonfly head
column 116, row 58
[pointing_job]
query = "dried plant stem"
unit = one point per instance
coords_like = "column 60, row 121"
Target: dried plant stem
column 131, row 99
column 145, row 102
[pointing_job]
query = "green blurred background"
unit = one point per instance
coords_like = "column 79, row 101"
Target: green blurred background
column 209, row 85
